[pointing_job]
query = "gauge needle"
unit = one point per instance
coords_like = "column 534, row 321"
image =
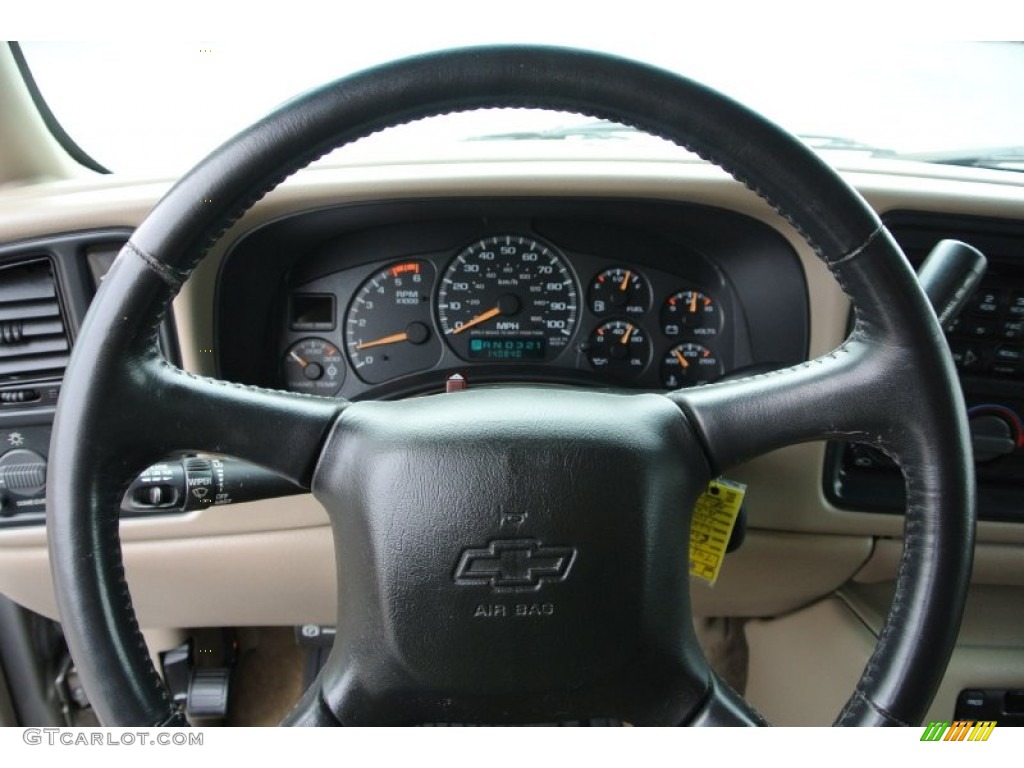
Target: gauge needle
column 294, row 356
column 392, row 339
column 627, row 334
column 625, row 281
column 680, row 358
column 693, row 301
column 481, row 318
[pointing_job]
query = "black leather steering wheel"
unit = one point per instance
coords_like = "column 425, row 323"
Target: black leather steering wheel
column 586, row 494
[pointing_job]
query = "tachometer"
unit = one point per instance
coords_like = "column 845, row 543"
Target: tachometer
column 508, row 298
column 388, row 328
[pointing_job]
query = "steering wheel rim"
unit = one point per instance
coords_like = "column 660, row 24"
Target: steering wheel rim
column 893, row 379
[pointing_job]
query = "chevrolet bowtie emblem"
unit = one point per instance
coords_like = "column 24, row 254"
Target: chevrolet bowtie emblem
column 514, row 565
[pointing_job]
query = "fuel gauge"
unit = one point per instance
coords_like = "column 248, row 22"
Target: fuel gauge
column 619, row 290
column 314, row 366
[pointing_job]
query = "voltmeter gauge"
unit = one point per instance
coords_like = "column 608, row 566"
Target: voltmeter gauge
column 314, row 366
column 620, row 349
column 690, row 313
column 619, row 291
column 689, row 364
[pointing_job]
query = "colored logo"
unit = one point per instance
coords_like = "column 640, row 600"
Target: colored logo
column 959, row 730
column 514, row 565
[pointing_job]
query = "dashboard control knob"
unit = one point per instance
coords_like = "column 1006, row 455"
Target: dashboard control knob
column 22, row 473
column 992, row 436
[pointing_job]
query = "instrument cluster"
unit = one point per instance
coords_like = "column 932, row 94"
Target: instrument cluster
column 508, row 306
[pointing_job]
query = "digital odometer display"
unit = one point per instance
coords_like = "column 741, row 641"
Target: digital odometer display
column 501, row 348
column 505, row 289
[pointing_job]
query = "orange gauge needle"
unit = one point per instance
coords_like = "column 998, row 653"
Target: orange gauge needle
column 392, row 339
column 680, row 358
column 693, row 301
column 625, row 281
column 627, row 334
column 294, row 356
column 481, row 318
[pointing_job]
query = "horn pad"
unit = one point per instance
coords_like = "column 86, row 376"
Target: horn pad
column 513, row 555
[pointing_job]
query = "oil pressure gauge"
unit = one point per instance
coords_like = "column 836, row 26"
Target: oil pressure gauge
column 620, row 349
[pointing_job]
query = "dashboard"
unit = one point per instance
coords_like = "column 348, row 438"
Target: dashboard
column 388, row 300
column 296, row 273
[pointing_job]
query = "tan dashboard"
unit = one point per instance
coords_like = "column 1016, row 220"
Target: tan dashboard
column 271, row 562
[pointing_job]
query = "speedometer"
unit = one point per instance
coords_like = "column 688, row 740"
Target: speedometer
column 508, row 298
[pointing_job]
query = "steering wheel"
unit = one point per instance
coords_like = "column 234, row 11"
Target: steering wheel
column 563, row 514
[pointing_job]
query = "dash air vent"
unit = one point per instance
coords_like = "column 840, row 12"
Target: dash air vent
column 33, row 339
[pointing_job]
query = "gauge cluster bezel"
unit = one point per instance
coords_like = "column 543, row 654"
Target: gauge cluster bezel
column 674, row 247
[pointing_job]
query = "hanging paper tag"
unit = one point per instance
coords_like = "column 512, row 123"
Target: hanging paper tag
column 714, row 516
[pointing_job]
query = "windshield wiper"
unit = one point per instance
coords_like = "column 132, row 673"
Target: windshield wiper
column 999, row 158
column 1002, row 158
column 596, row 129
column 826, row 142
column 606, row 129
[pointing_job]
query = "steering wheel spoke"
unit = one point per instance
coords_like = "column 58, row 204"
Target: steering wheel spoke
column 833, row 397
column 280, row 431
column 725, row 707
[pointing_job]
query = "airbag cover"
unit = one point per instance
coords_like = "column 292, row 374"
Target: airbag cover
column 520, row 545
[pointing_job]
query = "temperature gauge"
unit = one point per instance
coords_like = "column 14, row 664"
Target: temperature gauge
column 619, row 290
column 620, row 349
column 691, row 313
column 689, row 364
column 314, row 366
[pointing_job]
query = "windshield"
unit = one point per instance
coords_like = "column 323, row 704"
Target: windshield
column 156, row 109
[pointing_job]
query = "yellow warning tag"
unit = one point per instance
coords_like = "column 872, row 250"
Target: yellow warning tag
column 714, row 516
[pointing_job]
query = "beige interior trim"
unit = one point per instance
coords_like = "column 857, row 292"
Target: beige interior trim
column 986, row 622
column 804, row 666
column 993, row 564
column 775, row 573
column 990, row 648
column 285, row 513
column 240, row 541
column 288, row 577
column 29, row 153
column 251, row 579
